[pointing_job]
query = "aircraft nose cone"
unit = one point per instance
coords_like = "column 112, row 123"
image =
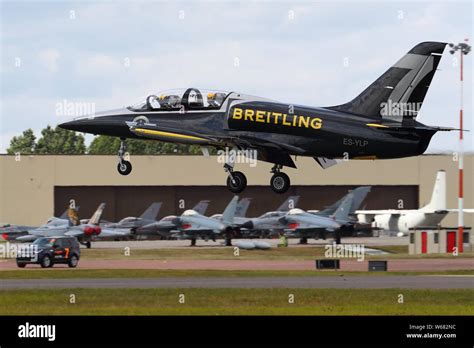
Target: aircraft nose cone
column 71, row 125
column 83, row 125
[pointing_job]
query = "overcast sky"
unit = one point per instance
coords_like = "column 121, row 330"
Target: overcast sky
column 314, row 53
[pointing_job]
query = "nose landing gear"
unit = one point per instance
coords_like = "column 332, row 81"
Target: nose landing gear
column 124, row 167
column 236, row 181
column 280, row 182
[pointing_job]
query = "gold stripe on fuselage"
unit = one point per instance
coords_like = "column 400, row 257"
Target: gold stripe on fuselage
column 168, row 134
column 376, row 125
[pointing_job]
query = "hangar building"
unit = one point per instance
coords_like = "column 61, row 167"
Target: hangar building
column 33, row 188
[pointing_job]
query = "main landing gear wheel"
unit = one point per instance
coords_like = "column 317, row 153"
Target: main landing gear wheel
column 124, row 167
column 236, row 182
column 280, row 182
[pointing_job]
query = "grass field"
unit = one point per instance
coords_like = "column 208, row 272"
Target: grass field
column 227, row 253
column 237, row 302
column 299, row 253
column 67, row 273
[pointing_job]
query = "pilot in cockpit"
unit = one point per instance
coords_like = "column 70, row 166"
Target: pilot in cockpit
column 169, row 101
column 215, row 99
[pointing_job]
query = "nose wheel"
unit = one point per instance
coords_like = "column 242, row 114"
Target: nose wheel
column 236, row 181
column 124, row 167
column 279, row 182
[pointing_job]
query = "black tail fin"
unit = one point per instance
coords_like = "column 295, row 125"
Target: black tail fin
column 400, row 91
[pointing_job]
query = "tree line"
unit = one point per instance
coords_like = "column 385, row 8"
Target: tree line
column 58, row 141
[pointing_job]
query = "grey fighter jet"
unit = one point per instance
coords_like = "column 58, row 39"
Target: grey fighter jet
column 298, row 223
column 133, row 223
column 11, row 232
column 192, row 225
column 84, row 232
column 166, row 226
column 267, row 224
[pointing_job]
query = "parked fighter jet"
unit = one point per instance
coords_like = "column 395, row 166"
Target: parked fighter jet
column 378, row 124
column 360, row 193
column 354, row 225
column 298, row 223
column 268, row 224
column 274, row 222
column 192, row 225
column 83, row 232
column 133, row 223
column 165, row 226
column 401, row 221
column 12, row 232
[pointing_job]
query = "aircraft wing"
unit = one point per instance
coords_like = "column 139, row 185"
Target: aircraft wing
column 379, row 212
column 197, row 230
column 270, row 151
column 267, row 150
column 277, row 152
column 27, row 238
column 74, row 233
column 113, row 233
column 306, row 228
column 457, row 210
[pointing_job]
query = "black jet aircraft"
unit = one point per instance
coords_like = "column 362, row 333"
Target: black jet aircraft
column 380, row 123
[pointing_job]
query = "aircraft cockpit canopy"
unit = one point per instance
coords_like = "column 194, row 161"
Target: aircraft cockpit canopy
column 271, row 214
column 183, row 99
column 295, row 211
column 129, row 219
column 189, row 212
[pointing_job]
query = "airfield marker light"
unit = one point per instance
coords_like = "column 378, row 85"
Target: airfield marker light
column 463, row 49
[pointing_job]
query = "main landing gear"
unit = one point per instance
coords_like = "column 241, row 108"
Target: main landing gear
column 124, row 167
column 237, row 182
column 280, row 182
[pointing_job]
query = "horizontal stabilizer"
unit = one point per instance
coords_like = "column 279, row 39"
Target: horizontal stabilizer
column 470, row 211
column 393, row 212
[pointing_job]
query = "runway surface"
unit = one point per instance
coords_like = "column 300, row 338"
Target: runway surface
column 335, row 282
column 242, row 265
